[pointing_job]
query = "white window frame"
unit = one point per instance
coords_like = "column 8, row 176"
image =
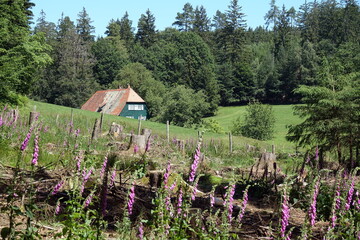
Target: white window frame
column 135, row 107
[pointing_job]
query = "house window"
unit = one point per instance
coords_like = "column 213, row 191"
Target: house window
column 130, row 117
column 136, row 107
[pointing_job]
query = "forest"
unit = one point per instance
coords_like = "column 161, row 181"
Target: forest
column 193, row 66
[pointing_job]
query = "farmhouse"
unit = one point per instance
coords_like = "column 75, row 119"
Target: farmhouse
column 120, row 102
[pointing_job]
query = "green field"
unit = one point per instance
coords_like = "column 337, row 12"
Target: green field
column 283, row 116
column 225, row 116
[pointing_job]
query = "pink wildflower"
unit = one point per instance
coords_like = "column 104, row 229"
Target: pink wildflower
column 312, row 210
column 103, row 169
column 285, row 215
column 336, row 206
column 141, row 231
column 136, row 149
column 1, row 121
column 57, row 208
column 195, row 163
column 112, row 178
column 88, row 200
column 35, row 157
column 131, row 200
column 231, row 199
column 212, row 200
column 167, row 174
column 26, row 140
column 57, row 187
column 244, row 203
column 350, row 195
column 86, row 177
column 179, row 203
column 193, row 192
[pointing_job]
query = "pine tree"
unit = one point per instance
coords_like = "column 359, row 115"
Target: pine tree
column 146, row 33
column 126, row 30
column 84, row 27
column 185, row 20
column 201, row 20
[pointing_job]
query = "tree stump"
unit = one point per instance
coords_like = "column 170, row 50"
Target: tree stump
column 265, row 167
column 115, row 130
column 147, row 133
column 139, row 140
column 155, row 178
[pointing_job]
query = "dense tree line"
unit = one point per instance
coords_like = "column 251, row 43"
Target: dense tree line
column 218, row 59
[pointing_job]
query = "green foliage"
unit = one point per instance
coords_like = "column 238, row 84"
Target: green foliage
column 184, row 106
column 211, row 125
column 21, row 55
column 330, row 114
column 111, row 55
column 258, row 122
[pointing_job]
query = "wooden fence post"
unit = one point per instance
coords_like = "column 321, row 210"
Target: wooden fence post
column 230, row 143
column 139, row 125
column 167, row 131
column 101, row 122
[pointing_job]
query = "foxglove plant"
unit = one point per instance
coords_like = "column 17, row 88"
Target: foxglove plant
column 131, row 200
column 86, row 177
column 179, row 202
column 244, row 203
column 136, row 149
column 26, row 140
column 57, row 187
column 35, row 156
column 285, row 210
column 103, row 169
column 195, row 163
column 167, row 173
column 141, row 231
column 88, row 200
column 350, row 194
column 231, row 200
column 112, row 178
column 312, row 210
column 336, row 206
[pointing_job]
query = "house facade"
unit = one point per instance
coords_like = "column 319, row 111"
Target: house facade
column 120, row 102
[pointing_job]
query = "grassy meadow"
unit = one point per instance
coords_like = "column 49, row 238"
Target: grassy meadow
column 85, row 121
column 283, row 116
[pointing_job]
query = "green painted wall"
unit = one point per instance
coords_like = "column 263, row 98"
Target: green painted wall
column 134, row 113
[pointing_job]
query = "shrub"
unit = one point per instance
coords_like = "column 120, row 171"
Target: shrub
column 258, row 122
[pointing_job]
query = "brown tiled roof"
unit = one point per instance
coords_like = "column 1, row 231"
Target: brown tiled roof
column 111, row 101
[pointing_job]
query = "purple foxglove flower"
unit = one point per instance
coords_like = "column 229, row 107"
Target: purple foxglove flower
column 172, row 187
column 88, row 200
column 131, row 200
column 167, row 174
column 179, row 203
column 1, row 121
column 57, row 208
column 285, row 215
column 136, row 149
column 316, row 153
column 244, row 203
column 57, row 187
column 312, row 210
column 141, row 231
column 77, row 131
column 350, row 195
column 78, row 160
column 193, row 192
column 26, row 140
column 195, row 163
column 336, row 206
column 46, row 129
column 112, row 178
column 102, row 172
column 86, row 177
column 212, row 200
column 35, row 157
column 231, row 200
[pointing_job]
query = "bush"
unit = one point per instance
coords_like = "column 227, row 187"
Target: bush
column 258, row 122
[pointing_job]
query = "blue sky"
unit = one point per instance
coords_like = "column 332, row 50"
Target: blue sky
column 101, row 12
